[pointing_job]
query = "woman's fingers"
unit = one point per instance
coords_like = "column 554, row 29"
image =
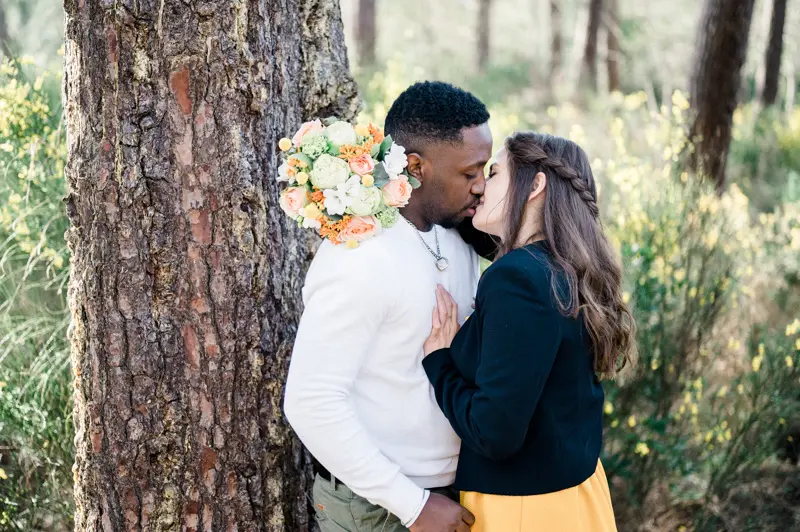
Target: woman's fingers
column 441, row 305
column 437, row 324
column 453, row 305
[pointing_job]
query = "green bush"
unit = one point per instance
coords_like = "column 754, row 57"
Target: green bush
column 765, row 156
column 35, row 385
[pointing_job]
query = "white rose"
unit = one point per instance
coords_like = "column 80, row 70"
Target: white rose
column 329, row 171
column 340, row 133
column 395, row 161
column 283, row 173
column 365, row 201
column 311, row 223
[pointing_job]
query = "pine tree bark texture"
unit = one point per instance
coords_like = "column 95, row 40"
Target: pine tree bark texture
column 721, row 52
column 186, row 276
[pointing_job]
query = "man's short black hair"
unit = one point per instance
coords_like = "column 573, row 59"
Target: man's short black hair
column 433, row 111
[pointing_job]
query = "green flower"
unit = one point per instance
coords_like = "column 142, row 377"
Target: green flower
column 365, row 201
column 329, row 171
column 388, row 216
column 314, row 145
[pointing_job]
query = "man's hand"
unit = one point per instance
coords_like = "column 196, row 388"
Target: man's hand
column 440, row 514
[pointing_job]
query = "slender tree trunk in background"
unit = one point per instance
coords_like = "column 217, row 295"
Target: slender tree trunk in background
column 366, row 33
column 484, row 33
column 774, row 50
column 588, row 77
column 790, row 89
column 185, row 280
column 614, row 53
column 556, row 44
column 715, row 83
column 5, row 40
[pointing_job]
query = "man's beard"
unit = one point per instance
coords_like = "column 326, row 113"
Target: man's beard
column 452, row 221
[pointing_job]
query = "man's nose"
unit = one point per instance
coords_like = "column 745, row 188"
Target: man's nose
column 479, row 186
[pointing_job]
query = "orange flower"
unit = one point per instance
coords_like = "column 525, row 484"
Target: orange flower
column 348, row 151
column 317, row 196
column 368, row 144
column 331, row 230
column 376, row 133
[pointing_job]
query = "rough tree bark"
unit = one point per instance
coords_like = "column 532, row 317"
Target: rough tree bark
column 716, row 78
column 185, row 277
column 366, row 33
column 614, row 54
column 774, row 50
column 588, row 76
column 484, row 33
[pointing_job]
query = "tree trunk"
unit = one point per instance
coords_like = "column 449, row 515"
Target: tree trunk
column 484, row 33
column 5, row 40
column 791, row 83
column 366, row 37
column 588, row 77
column 185, row 279
column 614, row 54
column 721, row 51
column 556, row 46
column 774, row 51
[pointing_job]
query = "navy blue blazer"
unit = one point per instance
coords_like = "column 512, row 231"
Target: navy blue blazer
column 518, row 385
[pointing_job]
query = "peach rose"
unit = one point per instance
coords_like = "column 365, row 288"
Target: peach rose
column 362, row 165
column 360, row 228
column 396, row 192
column 308, row 127
column 292, row 200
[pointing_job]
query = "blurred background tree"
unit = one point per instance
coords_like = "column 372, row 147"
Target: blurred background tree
column 704, row 435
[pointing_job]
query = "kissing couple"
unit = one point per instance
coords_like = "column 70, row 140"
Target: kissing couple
column 437, row 399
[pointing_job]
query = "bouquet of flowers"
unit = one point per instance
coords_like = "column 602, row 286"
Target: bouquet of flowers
column 345, row 181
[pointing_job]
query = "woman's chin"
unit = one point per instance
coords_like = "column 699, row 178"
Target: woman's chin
column 479, row 223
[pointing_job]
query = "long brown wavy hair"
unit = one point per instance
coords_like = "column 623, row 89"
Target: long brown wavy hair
column 580, row 250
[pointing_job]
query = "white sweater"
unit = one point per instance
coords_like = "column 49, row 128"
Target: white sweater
column 356, row 393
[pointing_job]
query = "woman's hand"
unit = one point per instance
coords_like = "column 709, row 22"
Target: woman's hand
column 445, row 322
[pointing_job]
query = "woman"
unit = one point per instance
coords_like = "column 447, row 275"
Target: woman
column 519, row 381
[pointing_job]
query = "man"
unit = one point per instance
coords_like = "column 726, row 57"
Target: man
column 356, row 394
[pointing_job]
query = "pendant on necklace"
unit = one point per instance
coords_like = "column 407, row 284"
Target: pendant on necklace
column 442, row 264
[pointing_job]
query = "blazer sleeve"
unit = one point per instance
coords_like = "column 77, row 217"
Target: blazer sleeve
column 519, row 340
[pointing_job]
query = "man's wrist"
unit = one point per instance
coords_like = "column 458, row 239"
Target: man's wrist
column 425, row 495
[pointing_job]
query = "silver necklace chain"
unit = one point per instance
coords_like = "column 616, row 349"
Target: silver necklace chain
column 441, row 262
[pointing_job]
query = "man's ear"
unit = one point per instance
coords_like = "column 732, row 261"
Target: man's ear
column 414, row 168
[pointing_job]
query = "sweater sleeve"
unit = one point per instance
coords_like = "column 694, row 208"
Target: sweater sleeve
column 337, row 330
column 520, row 336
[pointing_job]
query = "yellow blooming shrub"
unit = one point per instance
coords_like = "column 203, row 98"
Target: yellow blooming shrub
column 32, row 158
column 35, row 385
column 702, row 272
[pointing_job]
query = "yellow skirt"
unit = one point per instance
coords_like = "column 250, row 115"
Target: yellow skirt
column 583, row 508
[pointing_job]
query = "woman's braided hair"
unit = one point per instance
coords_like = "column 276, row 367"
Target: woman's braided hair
column 579, row 183
column 581, row 253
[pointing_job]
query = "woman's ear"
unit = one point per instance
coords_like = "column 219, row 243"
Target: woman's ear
column 414, row 168
column 539, row 184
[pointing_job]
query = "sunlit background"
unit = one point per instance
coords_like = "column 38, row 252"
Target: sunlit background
column 703, row 435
